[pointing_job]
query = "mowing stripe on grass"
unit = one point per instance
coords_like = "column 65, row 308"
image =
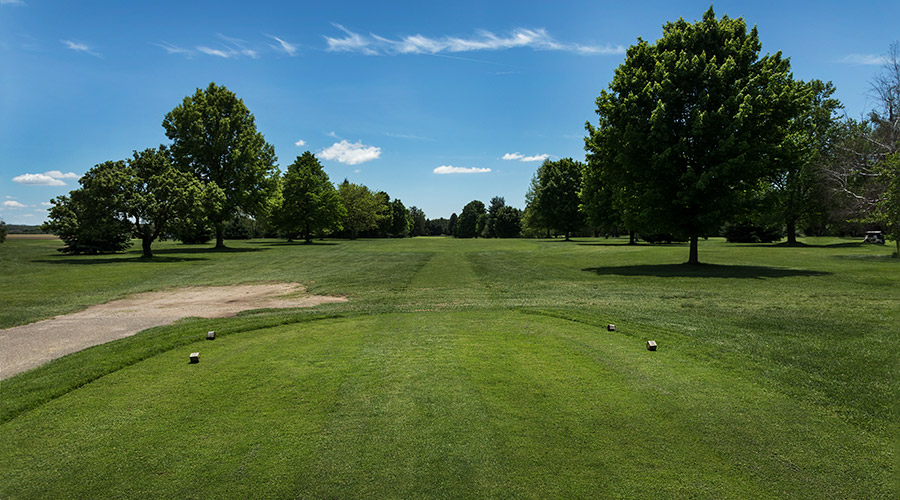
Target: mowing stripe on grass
column 480, row 404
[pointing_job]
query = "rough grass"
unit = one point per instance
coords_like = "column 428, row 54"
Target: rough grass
column 469, row 369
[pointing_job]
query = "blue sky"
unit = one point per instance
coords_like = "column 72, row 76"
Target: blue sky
column 437, row 104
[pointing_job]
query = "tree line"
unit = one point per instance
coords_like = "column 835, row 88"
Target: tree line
column 217, row 174
column 697, row 135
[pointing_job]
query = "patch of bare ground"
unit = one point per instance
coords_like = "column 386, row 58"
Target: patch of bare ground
column 27, row 346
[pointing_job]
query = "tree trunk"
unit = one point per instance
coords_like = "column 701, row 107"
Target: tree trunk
column 307, row 235
column 693, row 258
column 631, row 238
column 791, row 232
column 145, row 246
column 567, row 236
column 220, row 236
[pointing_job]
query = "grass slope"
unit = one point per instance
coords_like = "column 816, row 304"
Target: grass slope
column 468, row 369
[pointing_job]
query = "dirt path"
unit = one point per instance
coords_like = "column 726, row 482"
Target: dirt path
column 27, row 346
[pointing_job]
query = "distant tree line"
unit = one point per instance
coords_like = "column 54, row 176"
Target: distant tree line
column 216, row 180
column 497, row 221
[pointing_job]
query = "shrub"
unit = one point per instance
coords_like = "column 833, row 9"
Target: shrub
column 750, row 233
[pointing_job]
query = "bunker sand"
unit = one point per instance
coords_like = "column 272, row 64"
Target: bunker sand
column 27, row 346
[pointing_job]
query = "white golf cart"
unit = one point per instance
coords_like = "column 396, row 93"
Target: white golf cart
column 876, row 237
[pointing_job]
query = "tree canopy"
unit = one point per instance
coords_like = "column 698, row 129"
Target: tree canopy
column 214, row 137
column 91, row 219
column 797, row 181
column 467, row 222
column 157, row 195
column 554, row 195
column 310, row 203
column 364, row 209
column 690, row 125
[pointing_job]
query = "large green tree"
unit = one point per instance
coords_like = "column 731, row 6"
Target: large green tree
column 310, row 203
column 365, row 209
column 508, row 222
column 690, row 125
column 467, row 223
column 417, row 219
column 490, row 230
column 555, row 198
column 93, row 218
column 214, row 137
column 157, row 195
column 798, row 181
column 401, row 219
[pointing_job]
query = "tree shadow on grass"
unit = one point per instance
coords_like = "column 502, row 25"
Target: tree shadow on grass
column 206, row 250
column 702, row 271
column 611, row 244
column 784, row 244
column 92, row 260
column 298, row 243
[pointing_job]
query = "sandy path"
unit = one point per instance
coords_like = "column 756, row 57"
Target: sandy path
column 27, row 346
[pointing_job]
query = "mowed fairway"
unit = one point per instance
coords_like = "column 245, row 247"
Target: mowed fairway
column 468, row 369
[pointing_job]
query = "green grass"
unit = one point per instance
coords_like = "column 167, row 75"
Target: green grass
column 463, row 369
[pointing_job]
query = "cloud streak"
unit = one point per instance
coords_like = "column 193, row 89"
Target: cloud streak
column 864, row 59
column 535, row 39
column 13, row 204
column 283, row 46
column 520, row 157
column 80, row 47
column 450, row 169
column 350, row 153
column 226, row 48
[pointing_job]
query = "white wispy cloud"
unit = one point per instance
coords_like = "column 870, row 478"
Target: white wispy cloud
column 51, row 178
column 80, row 47
column 865, row 59
column 216, row 52
column 411, row 137
column 536, row 39
column 13, row 204
column 227, row 48
column 353, row 42
column 12, row 2
column 283, row 46
column 350, row 153
column 300, row 143
column 521, row 157
column 450, row 169
column 46, row 204
column 174, row 49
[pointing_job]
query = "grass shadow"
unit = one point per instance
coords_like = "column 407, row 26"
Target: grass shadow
column 206, row 250
column 799, row 244
column 298, row 243
column 91, row 260
column 611, row 244
column 702, row 271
